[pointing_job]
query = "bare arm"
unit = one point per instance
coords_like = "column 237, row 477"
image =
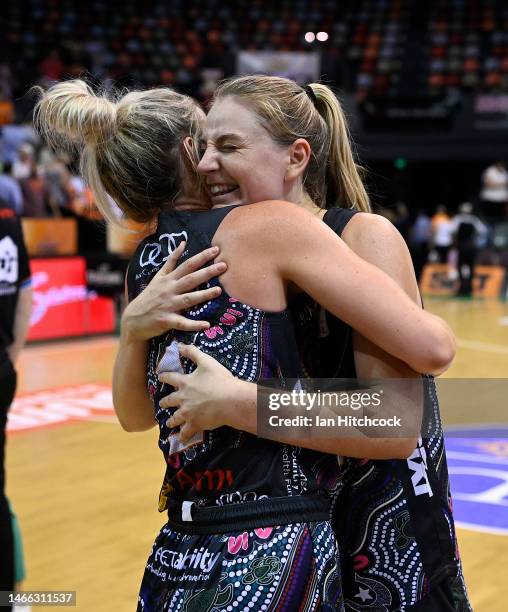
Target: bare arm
column 132, row 403
column 21, row 322
column 211, row 397
column 153, row 312
column 305, row 252
column 378, row 242
column 206, row 403
column 372, row 303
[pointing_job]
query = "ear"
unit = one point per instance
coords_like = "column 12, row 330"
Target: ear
column 188, row 147
column 299, row 155
column 190, row 154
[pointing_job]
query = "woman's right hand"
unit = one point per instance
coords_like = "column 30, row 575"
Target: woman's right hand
column 157, row 308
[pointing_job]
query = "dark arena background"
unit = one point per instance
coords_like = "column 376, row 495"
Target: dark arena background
column 425, row 88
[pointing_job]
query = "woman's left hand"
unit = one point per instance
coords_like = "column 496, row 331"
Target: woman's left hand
column 201, row 398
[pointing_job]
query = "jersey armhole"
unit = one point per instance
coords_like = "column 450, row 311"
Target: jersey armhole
column 337, row 218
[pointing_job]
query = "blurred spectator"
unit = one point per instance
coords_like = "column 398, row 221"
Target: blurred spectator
column 24, row 165
column 469, row 233
column 10, row 190
column 35, row 195
column 81, row 199
column 11, row 139
column 442, row 233
column 494, row 193
column 57, row 177
column 420, row 236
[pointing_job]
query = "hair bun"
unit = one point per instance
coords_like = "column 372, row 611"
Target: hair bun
column 72, row 111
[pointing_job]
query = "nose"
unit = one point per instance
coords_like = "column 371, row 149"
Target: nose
column 208, row 163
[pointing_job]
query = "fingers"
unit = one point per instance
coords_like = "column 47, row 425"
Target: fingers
column 191, row 352
column 175, row 420
column 186, row 432
column 173, row 400
column 194, row 279
column 176, row 321
column 170, row 263
column 194, row 263
column 171, row 378
column 187, row 300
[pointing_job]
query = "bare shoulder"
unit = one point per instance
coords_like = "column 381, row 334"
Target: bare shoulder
column 369, row 233
column 270, row 210
column 376, row 240
column 270, row 220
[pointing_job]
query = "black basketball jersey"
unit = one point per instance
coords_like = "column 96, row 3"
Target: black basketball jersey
column 217, row 479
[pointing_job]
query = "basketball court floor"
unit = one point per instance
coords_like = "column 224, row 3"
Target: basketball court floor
column 86, row 492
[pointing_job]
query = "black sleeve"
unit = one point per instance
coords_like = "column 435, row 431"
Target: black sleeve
column 24, row 273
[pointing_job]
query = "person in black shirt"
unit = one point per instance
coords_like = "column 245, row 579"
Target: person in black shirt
column 469, row 231
column 15, row 307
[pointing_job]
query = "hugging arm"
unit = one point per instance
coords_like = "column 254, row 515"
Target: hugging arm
column 363, row 296
column 155, row 311
column 132, row 403
column 211, row 396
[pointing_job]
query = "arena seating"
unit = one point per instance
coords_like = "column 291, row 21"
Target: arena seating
column 468, row 46
column 373, row 46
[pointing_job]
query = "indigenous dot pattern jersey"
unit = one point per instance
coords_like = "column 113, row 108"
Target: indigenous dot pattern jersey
column 248, row 518
column 224, row 466
column 393, row 518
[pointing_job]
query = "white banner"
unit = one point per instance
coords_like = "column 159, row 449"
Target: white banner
column 300, row 67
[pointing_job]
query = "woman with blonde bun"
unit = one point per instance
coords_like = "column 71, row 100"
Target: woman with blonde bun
column 248, row 518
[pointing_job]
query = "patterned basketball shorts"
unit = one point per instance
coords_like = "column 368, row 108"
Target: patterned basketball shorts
column 287, row 568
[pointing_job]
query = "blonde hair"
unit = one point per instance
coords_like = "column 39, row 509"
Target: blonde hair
column 130, row 145
column 290, row 112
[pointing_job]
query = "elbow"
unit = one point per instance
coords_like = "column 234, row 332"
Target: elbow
column 404, row 447
column 133, row 425
column 436, row 355
column 391, row 448
column 441, row 355
column 128, row 427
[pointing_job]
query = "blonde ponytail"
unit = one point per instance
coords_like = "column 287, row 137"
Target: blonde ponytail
column 130, row 146
column 345, row 181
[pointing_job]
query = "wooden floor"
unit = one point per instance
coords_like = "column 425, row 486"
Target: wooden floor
column 86, row 492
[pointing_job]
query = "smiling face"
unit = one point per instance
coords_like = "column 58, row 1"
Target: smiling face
column 240, row 161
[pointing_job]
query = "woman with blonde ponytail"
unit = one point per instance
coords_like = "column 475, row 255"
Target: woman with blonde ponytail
column 248, row 518
column 367, row 519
